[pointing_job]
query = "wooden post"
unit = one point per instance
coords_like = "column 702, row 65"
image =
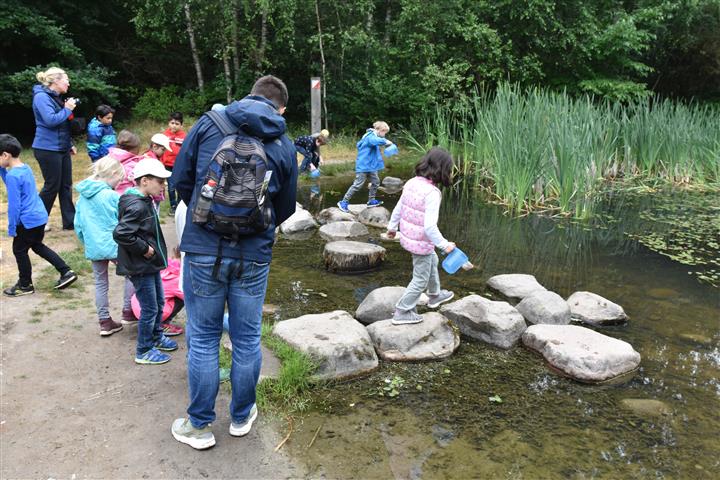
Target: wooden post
column 315, row 110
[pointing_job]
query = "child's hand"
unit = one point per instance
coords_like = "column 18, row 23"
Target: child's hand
column 450, row 247
column 150, row 252
column 391, row 233
column 73, row 150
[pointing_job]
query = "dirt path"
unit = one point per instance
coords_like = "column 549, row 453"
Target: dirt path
column 75, row 405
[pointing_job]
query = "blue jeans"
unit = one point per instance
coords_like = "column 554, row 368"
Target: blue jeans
column 149, row 292
column 241, row 284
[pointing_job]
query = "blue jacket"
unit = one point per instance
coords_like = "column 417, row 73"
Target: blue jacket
column 258, row 117
column 96, row 215
column 99, row 138
column 369, row 158
column 52, row 127
column 24, row 204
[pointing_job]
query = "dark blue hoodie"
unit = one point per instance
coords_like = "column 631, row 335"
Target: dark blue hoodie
column 258, row 117
column 52, row 127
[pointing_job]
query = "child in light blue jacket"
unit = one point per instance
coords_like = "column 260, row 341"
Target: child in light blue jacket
column 96, row 216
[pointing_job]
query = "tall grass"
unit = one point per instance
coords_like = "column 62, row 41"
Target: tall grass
column 540, row 149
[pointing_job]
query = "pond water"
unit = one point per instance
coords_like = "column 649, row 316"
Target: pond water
column 443, row 425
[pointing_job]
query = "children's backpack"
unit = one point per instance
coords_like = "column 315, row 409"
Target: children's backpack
column 237, row 180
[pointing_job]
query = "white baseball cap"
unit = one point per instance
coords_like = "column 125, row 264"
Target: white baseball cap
column 150, row 166
column 161, row 139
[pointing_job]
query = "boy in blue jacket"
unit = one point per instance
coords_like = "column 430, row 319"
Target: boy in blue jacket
column 100, row 133
column 26, row 220
column 367, row 165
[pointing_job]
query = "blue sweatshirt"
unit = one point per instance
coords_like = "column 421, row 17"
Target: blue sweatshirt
column 52, row 127
column 99, row 138
column 24, row 204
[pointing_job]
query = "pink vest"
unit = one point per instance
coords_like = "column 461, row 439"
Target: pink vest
column 412, row 218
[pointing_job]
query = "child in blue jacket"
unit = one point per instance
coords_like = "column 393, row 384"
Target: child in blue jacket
column 26, row 220
column 100, row 133
column 96, row 215
column 367, row 165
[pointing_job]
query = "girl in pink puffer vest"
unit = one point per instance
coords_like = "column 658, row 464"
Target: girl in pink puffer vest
column 417, row 214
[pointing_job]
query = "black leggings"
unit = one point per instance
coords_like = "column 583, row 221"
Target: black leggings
column 32, row 238
column 56, row 169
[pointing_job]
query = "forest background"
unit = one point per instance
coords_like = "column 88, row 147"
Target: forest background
column 389, row 59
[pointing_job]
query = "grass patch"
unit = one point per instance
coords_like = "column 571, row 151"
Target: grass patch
column 78, row 263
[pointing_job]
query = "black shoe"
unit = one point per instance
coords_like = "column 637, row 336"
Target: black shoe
column 17, row 290
column 66, row 279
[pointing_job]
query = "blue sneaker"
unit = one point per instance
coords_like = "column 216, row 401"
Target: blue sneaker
column 343, row 205
column 374, row 203
column 166, row 345
column 152, row 357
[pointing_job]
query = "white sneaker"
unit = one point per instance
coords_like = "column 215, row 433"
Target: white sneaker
column 242, row 429
column 198, row 438
column 435, row 301
column 406, row 318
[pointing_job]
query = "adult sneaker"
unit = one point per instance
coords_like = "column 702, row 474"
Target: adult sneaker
column 434, row 301
column 18, row 290
column 374, row 203
column 108, row 327
column 406, row 317
column 152, row 357
column 171, row 330
column 243, row 428
column 343, row 205
column 65, row 280
column 166, row 345
column 197, row 438
column 128, row 318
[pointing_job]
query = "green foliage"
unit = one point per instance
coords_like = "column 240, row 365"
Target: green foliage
column 156, row 104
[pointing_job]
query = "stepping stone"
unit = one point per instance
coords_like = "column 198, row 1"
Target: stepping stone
column 514, row 286
column 545, row 307
column 496, row 323
column 646, row 407
column 593, row 309
column 300, row 221
column 392, row 182
column 352, row 257
column 337, row 342
column 580, row 353
column 334, row 214
column 343, row 230
column 378, row 217
column 433, row 338
column 357, row 208
column 380, row 304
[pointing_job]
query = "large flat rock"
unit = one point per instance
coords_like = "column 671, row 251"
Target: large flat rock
column 299, row 221
column 352, row 257
column 593, row 309
column 431, row 339
column 515, row 286
column 334, row 214
column 496, row 323
column 343, row 230
column 339, row 343
column 544, row 307
column 581, row 353
column 378, row 217
column 380, row 304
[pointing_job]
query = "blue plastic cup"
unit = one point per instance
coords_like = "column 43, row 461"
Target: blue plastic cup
column 391, row 150
column 454, row 261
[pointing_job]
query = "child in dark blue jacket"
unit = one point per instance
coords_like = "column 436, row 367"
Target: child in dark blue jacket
column 100, row 133
column 26, row 220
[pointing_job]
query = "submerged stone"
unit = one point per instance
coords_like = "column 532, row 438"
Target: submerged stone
column 378, row 217
column 352, row 257
column 646, row 407
column 299, row 221
column 496, row 323
column 334, row 214
column 431, row 339
column 392, row 182
column 544, row 307
column 696, row 338
column 515, row 286
column 337, row 342
column 593, row 309
column 581, row 353
column 342, row 230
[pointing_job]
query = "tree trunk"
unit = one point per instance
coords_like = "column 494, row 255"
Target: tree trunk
column 322, row 59
column 194, row 49
column 235, row 46
column 388, row 18
column 228, row 77
column 263, row 38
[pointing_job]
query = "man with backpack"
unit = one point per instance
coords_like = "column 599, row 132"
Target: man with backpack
column 237, row 172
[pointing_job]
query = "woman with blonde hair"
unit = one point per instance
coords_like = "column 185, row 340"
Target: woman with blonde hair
column 52, row 144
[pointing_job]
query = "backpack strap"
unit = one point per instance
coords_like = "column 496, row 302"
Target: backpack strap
column 221, row 121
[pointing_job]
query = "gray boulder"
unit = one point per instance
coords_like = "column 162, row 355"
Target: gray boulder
column 299, row 221
column 375, row 217
column 515, row 286
column 357, row 208
column 350, row 256
column 593, row 309
column 392, row 182
column 431, row 339
column 380, row 304
column 581, row 353
column 334, row 214
column 545, row 307
column 338, row 343
column 343, row 230
column 496, row 323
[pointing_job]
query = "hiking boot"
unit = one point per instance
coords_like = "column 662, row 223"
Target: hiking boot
column 18, row 290
column 405, row 318
column 343, row 205
column 152, row 357
column 197, row 438
column 374, row 203
column 171, row 330
column 434, row 301
column 166, row 345
column 243, row 428
column 65, row 280
column 108, row 327
column 128, row 318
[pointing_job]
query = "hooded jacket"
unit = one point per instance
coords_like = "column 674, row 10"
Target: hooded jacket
column 138, row 226
column 96, row 215
column 52, row 125
column 100, row 138
column 369, row 158
column 257, row 116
